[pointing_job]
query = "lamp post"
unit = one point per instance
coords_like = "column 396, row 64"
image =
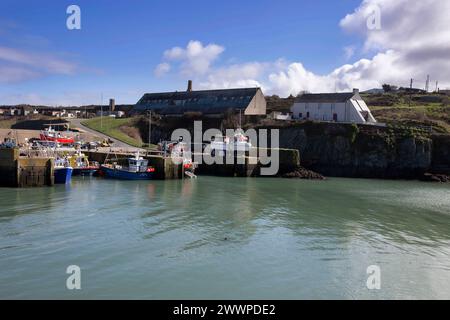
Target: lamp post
column 149, row 113
column 101, row 112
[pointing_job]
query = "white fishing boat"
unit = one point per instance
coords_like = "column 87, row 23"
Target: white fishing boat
column 223, row 144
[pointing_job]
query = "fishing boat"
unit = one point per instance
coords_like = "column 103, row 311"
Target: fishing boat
column 223, row 144
column 82, row 166
column 62, row 171
column 49, row 134
column 137, row 169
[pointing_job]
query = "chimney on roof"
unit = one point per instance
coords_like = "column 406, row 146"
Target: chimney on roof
column 189, row 88
column 355, row 91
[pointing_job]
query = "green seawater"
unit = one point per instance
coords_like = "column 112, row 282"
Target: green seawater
column 226, row 238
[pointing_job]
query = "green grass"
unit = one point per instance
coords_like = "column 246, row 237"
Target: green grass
column 430, row 114
column 7, row 123
column 111, row 127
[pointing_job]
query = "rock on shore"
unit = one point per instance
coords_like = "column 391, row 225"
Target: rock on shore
column 433, row 177
column 302, row 173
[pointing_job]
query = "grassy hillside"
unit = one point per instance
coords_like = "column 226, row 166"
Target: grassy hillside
column 30, row 122
column 121, row 129
column 275, row 103
column 394, row 108
column 428, row 109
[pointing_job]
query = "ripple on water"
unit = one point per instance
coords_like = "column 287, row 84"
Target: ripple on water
column 227, row 238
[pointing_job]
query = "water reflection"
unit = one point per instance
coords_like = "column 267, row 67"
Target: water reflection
column 304, row 238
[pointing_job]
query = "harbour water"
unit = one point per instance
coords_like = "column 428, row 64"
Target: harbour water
column 240, row 238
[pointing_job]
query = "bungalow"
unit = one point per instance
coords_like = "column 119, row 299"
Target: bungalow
column 214, row 103
column 338, row 107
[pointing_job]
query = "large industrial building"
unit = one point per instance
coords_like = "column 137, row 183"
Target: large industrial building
column 213, row 103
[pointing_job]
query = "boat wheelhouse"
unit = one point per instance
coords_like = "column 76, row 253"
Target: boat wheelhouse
column 82, row 166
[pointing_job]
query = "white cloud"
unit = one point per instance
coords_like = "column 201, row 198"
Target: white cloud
column 413, row 42
column 161, row 69
column 195, row 58
column 349, row 52
column 17, row 65
column 11, row 74
column 235, row 75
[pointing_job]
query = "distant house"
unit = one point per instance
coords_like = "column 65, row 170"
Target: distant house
column 15, row 111
column 338, row 107
column 207, row 102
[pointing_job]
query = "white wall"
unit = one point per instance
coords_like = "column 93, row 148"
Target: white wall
column 351, row 111
column 320, row 111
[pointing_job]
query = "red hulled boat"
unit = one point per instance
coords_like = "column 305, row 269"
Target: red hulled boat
column 49, row 134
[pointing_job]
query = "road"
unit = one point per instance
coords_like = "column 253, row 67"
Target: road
column 117, row 144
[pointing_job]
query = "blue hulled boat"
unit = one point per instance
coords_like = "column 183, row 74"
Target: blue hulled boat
column 63, row 174
column 137, row 169
column 62, row 171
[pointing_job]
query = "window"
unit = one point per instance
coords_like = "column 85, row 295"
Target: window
column 300, row 115
column 307, row 115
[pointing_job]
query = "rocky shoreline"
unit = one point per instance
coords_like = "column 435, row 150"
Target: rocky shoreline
column 435, row 177
column 303, row 173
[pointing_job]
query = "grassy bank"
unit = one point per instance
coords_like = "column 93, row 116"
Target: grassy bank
column 121, row 129
column 431, row 109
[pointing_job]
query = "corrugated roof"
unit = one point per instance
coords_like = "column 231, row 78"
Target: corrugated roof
column 325, row 97
column 206, row 101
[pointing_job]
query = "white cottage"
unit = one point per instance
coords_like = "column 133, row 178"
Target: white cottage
column 338, row 107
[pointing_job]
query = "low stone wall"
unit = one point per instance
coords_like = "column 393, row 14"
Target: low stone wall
column 8, row 167
column 35, row 172
column 246, row 166
column 16, row 171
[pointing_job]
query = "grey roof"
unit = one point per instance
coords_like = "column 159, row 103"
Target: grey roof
column 325, row 97
column 205, row 101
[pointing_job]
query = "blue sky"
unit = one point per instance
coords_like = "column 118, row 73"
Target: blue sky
column 122, row 42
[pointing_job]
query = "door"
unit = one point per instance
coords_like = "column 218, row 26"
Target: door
column 335, row 117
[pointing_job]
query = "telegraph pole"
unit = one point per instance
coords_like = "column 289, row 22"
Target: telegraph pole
column 410, row 91
column 101, row 111
column 149, row 113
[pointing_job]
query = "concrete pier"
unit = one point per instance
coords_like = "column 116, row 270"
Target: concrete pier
column 246, row 166
column 242, row 166
column 18, row 172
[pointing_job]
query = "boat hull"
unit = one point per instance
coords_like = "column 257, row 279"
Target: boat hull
column 86, row 172
column 60, row 140
column 63, row 175
column 114, row 173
